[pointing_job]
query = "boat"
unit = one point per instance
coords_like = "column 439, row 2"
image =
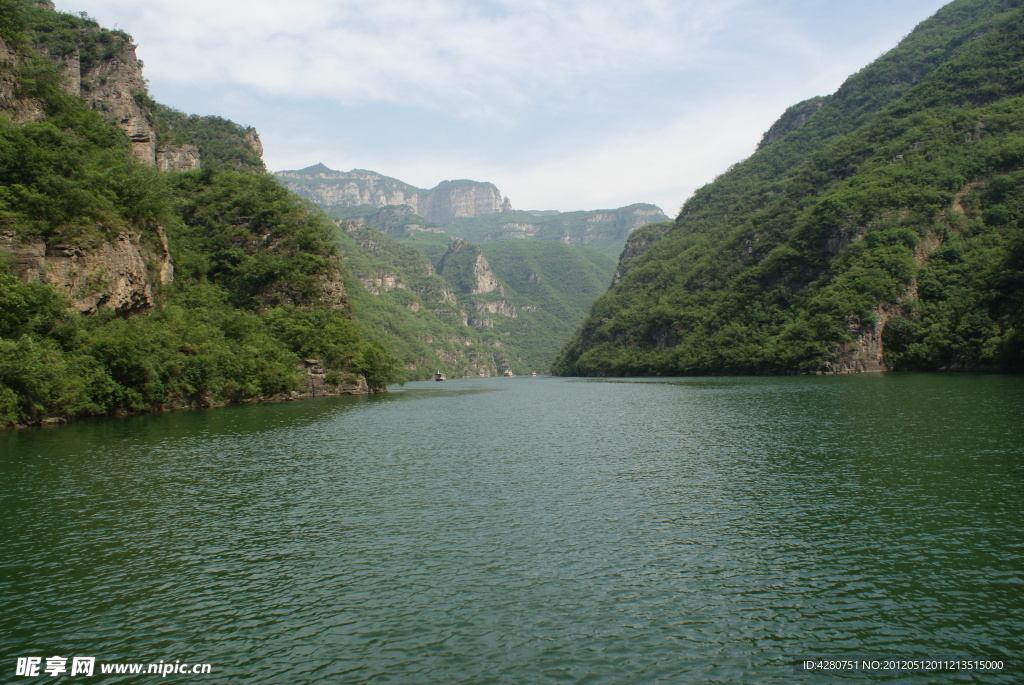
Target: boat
column 439, row 376
column 508, row 373
column 533, row 373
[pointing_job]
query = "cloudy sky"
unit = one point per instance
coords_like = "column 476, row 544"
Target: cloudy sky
column 563, row 104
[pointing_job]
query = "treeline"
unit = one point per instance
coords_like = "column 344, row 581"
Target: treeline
column 896, row 207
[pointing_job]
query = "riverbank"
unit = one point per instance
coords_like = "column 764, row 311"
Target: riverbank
column 314, row 385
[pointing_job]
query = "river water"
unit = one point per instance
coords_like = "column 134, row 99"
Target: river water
column 525, row 530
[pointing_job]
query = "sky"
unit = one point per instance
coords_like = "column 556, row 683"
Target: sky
column 563, row 104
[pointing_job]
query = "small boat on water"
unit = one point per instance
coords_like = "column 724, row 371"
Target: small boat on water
column 508, row 373
column 533, row 373
column 439, row 376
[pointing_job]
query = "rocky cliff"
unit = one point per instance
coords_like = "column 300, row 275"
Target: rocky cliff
column 577, row 228
column 105, row 71
column 101, row 67
column 465, row 266
column 637, row 244
column 177, row 158
column 792, row 119
column 333, row 190
column 82, row 217
column 117, row 274
column 451, row 199
column 110, row 87
column 18, row 108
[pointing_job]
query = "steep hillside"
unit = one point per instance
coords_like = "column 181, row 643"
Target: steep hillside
column 125, row 287
column 877, row 228
column 481, row 311
column 492, row 317
column 406, row 308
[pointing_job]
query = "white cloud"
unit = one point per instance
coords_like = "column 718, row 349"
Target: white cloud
column 564, row 104
column 472, row 56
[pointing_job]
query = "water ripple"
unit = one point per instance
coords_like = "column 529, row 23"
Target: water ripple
column 529, row 530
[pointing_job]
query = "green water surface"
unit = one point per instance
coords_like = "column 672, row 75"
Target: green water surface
column 529, row 530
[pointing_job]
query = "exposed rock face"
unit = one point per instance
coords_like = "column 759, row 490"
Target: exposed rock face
column 499, row 307
column 335, row 189
column 177, row 158
column 254, row 141
column 18, row 109
column 578, row 228
column 332, row 290
column 451, row 199
column 315, row 384
column 465, row 266
column 473, row 277
column 382, row 283
column 865, row 354
column 483, row 277
column 112, row 275
column 110, row 87
column 166, row 261
column 396, row 220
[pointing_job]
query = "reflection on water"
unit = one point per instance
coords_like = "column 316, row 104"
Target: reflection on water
column 529, row 530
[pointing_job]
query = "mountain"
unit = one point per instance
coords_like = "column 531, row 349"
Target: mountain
column 601, row 230
column 480, row 311
column 879, row 227
column 147, row 261
column 333, row 190
column 470, row 210
column 479, row 288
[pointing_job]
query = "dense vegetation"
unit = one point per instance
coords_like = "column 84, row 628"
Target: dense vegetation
column 545, row 288
column 421, row 307
column 59, row 35
column 257, row 286
column 410, row 311
column 895, row 206
column 233, row 326
column 222, row 144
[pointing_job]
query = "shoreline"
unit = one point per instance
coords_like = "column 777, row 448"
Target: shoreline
column 313, row 387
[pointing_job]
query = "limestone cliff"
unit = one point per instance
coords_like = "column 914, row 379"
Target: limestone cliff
column 333, row 190
column 19, row 109
column 465, row 266
column 451, row 199
column 118, row 274
column 110, row 86
column 865, row 353
column 177, row 158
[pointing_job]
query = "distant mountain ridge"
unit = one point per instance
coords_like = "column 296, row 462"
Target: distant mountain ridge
column 471, row 210
column 334, row 190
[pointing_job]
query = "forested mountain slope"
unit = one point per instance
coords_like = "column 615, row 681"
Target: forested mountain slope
column 876, row 228
column 131, row 280
column 507, row 301
column 466, row 309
